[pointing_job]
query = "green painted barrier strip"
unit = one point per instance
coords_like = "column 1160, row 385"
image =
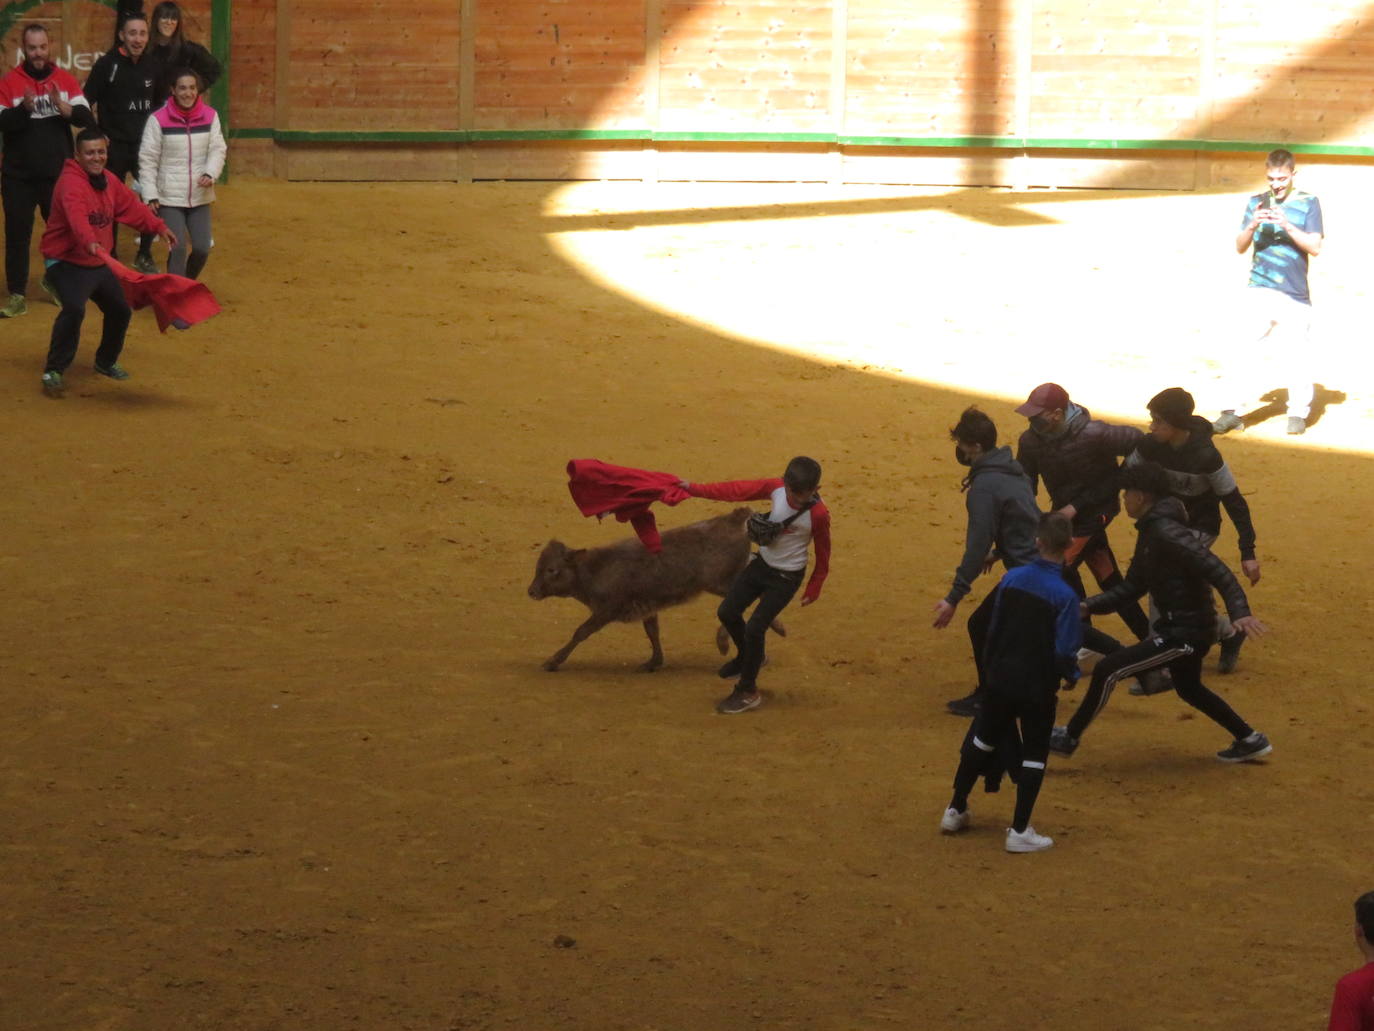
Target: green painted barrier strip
column 906, row 142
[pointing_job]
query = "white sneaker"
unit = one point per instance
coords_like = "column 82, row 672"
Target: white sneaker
column 1027, row 841
column 953, row 821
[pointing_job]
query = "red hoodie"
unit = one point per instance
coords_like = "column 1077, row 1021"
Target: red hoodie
column 82, row 214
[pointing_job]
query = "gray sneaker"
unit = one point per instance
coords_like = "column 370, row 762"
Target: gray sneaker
column 1296, row 427
column 14, row 307
column 50, row 290
column 52, row 384
column 1256, row 746
column 144, row 263
column 1153, row 681
column 113, row 371
column 738, row 701
column 1226, row 422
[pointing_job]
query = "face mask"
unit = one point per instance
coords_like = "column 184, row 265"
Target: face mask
column 960, row 457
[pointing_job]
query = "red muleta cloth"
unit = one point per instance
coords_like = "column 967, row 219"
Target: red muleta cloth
column 175, row 300
column 600, row 489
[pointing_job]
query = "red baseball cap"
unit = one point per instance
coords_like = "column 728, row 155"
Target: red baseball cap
column 1044, row 398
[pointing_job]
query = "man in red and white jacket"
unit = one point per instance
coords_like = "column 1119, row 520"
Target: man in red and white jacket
column 86, row 204
column 38, row 103
column 775, row 573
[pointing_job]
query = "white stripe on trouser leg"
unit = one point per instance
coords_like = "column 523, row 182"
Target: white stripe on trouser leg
column 1153, row 662
column 981, row 746
column 1031, row 764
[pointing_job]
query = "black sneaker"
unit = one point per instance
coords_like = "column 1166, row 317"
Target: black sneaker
column 738, row 701
column 1153, row 681
column 967, row 705
column 1256, row 746
column 1062, row 742
column 730, row 670
column 1230, row 652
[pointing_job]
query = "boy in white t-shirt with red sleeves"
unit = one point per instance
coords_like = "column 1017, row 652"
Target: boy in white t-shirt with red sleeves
column 775, row 573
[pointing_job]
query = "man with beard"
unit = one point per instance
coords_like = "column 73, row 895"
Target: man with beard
column 86, row 204
column 38, row 101
column 120, row 89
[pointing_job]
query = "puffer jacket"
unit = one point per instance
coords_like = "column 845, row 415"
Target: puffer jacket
column 178, row 148
column 1177, row 570
column 1078, row 466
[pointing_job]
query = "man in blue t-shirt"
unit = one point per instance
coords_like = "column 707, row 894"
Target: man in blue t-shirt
column 1285, row 227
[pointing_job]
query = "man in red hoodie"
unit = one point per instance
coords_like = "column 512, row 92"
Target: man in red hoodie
column 86, row 204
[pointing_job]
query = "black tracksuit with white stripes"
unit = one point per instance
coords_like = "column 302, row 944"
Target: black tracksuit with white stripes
column 1173, row 566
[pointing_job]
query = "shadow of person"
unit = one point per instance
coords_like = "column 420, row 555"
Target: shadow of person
column 1277, row 404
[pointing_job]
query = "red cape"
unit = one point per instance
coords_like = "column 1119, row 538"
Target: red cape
column 601, row 489
column 175, row 300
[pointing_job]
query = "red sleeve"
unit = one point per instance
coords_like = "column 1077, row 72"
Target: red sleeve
column 735, row 490
column 132, row 211
column 820, row 537
column 1347, row 1007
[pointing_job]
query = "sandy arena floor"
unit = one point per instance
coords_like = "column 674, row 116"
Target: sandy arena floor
column 278, row 751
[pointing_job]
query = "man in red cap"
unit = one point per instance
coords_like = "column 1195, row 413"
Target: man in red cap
column 1077, row 458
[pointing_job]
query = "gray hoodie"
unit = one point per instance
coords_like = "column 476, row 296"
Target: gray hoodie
column 1001, row 516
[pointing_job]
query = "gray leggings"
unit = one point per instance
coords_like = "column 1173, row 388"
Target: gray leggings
column 191, row 224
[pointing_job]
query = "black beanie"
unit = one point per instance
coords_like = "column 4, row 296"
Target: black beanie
column 1174, row 406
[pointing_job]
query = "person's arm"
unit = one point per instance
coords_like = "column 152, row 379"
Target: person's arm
column 1248, row 225
column 1068, row 637
column 1307, row 237
column 99, row 80
column 1131, row 587
column 820, row 537
column 1028, row 458
column 214, row 161
column 76, row 109
column 726, row 490
column 67, row 196
column 133, row 212
column 14, row 109
column 978, row 538
column 1345, row 1008
column 149, row 157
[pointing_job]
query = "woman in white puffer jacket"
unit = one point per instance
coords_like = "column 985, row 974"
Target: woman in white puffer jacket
column 181, row 156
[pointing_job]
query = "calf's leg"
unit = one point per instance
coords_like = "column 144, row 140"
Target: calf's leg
column 656, row 659
column 591, row 626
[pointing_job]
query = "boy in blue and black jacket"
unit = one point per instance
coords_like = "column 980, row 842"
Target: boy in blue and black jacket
column 1031, row 649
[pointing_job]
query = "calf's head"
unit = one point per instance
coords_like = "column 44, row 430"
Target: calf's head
column 555, row 573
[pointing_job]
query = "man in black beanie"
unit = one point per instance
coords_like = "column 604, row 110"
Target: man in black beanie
column 1199, row 477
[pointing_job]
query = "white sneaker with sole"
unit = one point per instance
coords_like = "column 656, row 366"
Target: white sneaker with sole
column 953, row 821
column 1027, row 841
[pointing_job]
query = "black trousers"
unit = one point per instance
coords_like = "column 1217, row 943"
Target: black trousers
column 992, row 743
column 1184, row 662
column 123, row 162
column 773, row 589
column 75, row 285
column 20, row 197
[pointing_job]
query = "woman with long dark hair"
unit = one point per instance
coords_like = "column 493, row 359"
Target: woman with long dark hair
column 170, row 51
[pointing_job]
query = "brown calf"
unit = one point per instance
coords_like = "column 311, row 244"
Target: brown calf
column 624, row 582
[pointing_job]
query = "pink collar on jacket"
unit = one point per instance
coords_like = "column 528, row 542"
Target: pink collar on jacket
column 172, row 116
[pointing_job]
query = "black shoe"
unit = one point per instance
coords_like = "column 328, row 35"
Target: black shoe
column 1230, row 652
column 966, row 706
column 1256, row 746
column 730, row 670
column 1062, row 742
column 1153, row 681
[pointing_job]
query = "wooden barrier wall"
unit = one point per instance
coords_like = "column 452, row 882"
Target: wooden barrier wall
column 1011, row 92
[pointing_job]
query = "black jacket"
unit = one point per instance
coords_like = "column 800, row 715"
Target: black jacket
column 1177, row 571
column 166, row 65
column 121, row 89
column 1202, row 480
column 1078, row 466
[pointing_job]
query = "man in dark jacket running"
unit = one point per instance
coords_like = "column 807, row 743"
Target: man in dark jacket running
column 1199, row 477
column 1178, row 572
column 1002, row 519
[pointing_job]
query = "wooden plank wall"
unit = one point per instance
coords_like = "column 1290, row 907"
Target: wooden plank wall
column 1056, row 71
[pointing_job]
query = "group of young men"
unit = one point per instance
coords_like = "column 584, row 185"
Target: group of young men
column 1028, row 633
column 78, row 186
